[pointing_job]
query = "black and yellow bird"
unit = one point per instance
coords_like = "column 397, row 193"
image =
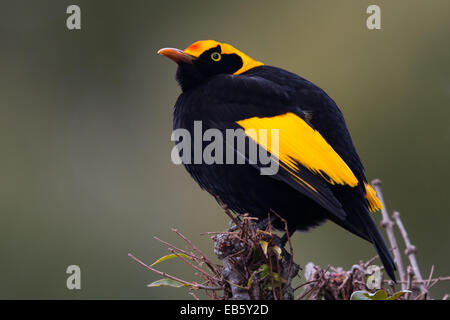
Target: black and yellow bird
column 320, row 174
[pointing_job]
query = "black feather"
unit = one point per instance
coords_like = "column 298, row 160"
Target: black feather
column 219, row 100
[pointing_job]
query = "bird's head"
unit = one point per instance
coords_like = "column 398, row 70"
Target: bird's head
column 206, row 58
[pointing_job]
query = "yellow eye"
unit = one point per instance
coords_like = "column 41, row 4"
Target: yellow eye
column 215, row 56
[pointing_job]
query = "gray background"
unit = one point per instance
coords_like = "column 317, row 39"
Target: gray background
column 86, row 116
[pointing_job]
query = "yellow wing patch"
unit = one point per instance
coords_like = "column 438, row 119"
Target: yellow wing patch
column 299, row 143
column 371, row 196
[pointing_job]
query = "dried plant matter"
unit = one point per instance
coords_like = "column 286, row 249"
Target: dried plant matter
column 255, row 266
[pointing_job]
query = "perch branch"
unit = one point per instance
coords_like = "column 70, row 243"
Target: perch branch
column 388, row 225
column 410, row 252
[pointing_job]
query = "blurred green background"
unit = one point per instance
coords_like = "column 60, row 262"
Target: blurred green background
column 86, row 118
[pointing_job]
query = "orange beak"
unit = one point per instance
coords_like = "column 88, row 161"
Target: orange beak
column 176, row 55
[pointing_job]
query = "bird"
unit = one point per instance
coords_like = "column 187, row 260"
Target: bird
column 320, row 175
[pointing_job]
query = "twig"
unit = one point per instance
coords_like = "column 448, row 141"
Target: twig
column 291, row 249
column 410, row 281
column 369, row 262
column 308, row 292
column 209, row 263
column 207, row 275
column 166, row 275
column 388, row 225
column 433, row 283
column 280, row 279
column 212, row 266
column 410, row 251
column 198, row 260
column 194, row 295
column 270, row 264
column 177, row 249
column 430, row 276
column 425, row 281
column 225, row 208
column 189, row 242
column 219, row 232
column 305, row 284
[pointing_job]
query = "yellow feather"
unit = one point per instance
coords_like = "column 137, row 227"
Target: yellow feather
column 372, row 199
column 298, row 142
column 197, row 48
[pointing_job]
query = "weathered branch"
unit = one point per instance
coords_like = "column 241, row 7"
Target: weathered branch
column 410, row 252
column 388, row 225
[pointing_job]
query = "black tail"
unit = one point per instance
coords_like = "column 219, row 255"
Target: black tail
column 378, row 240
column 360, row 222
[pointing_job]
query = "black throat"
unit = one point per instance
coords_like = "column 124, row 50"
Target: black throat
column 188, row 76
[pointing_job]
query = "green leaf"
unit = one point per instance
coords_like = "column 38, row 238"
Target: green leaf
column 236, row 285
column 264, row 270
column 263, row 232
column 359, row 295
column 278, row 251
column 250, row 280
column 167, row 283
column 277, row 280
column 398, row 294
column 170, row 256
column 264, row 246
column 378, row 295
